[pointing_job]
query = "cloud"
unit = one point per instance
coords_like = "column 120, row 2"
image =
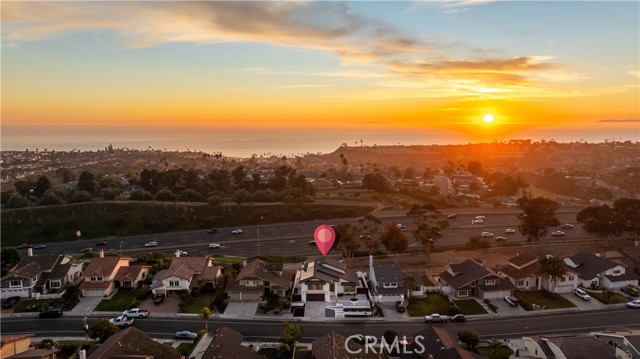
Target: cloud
column 302, row 86
column 618, row 121
column 634, row 73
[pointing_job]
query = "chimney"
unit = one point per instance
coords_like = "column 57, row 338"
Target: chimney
column 30, row 252
column 370, row 260
column 598, row 254
column 102, row 253
column 82, row 354
column 244, row 264
column 177, row 253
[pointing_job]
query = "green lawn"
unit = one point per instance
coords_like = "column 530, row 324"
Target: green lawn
column 499, row 353
column 220, row 259
column 119, row 302
column 35, row 305
column 615, row 298
column 470, row 306
column 195, row 304
column 433, row 303
column 539, row 298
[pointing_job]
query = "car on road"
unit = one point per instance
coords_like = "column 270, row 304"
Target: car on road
column 85, row 250
column 213, row 231
column 635, row 304
column 521, row 215
column 582, row 294
column 10, row 302
column 631, row 290
column 214, row 245
column 500, row 239
column 103, row 243
column 121, row 321
column 479, row 217
column 513, row 301
column 478, row 221
column 400, row 225
column 311, row 243
column 509, row 230
column 487, row 234
column 400, row 307
column 567, row 225
column 452, row 216
column 151, row 244
column 557, row 233
column 185, row 334
column 22, row 246
column 458, row 318
column 40, row 246
column 237, row 231
column 135, row 313
column 365, row 236
column 182, row 253
column 51, row 313
column 435, row 318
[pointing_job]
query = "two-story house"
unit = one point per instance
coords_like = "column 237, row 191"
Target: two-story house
column 524, row 272
column 185, row 273
column 387, row 282
column 257, row 279
column 100, row 274
column 595, row 271
column 35, row 275
column 470, row 278
column 131, row 277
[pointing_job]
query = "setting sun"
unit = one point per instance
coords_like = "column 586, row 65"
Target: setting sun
column 488, row 118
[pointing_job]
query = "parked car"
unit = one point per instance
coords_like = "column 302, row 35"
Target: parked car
column 635, row 304
column 213, row 231
column 40, row 246
column 582, row 294
column 214, row 245
column 158, row 299
column 631, row 290
column 151, row 244
column 10, row 302
column 487, row 234
column 22, row 246
column 400, row 225
column 136, row 313
column 185, row 334
column 237, row 231
column 567, row 225
column 400, row 307
column 85, row 250
column 452, row 216
column 51, row 313
column 513, row 301
column 458, row 318
column 103, row 243
column 435, row 318
column 509, row 230
column 557, row 233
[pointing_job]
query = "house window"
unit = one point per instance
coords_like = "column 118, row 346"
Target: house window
column 96, row 279
column 16, row 284
column 390, row 285
column 616, row 272
column 572, row 278
column 490, row 282
column 35, row 279
column 174, row 283
column 55, row 284
column 463, row 293
column 126, row 284
column 250, row 283
column 520, row 283
column 315, row 286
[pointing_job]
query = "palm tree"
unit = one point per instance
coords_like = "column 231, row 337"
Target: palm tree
column 205, row 314
column 552, row 268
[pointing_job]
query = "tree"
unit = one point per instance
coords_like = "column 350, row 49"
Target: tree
column 102, row 330
column 25, row 188
column 552, row 268
column 140, row 195
column 87, row 182
column 376, row 182
column 111, row 193
column 42, row 185
column 205, row 314
column 290, row 335
column 17, row 201
column 539, row 214
column 470, row 338
column 629, row 210
column 348, row 241
column 602, row 221
column 370, row 224
column 476, row 242
column 426, row 233
column 10, row 257
column 50, row 197
column 393, row 239
column 81, row 196
column 474, row 168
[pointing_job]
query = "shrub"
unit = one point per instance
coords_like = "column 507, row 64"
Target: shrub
column 140, row 195
column 81, row 196
column 165, row 195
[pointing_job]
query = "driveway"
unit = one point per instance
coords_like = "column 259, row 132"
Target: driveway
column 390, row 311
column 86, row 306
column 240, row 310
column 315, row 310
column 170, row 304
column 584, row 304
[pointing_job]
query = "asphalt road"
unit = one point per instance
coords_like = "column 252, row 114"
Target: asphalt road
column 487, row 327
column 290, row 239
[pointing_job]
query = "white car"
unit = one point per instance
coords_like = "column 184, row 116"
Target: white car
column 635, row 304
column 567, row 225
column 478, row 221
column 479, row 217
column 509, row 230
column 487, row 234
column 237, row 231
column 214, row 245
column 582, row 294
column 185, row 334
column 500, row 239
column 182, row 253
column 151, row 244
column 400, row 225
column 557, row 233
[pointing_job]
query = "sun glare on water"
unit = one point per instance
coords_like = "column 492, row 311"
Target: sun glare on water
column 488, row 118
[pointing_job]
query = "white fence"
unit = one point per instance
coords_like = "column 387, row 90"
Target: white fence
column 50, row 296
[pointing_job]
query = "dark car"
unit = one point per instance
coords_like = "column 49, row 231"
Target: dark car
column 103, row 243
column 458, row 318
column 51, row 313
column 213, row 231
column 40, row 246
column 400, row 307
column 10, row 302
column 631, row 290
column 22, row 246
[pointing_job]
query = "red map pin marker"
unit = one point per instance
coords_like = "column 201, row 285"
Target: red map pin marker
column 324, row 237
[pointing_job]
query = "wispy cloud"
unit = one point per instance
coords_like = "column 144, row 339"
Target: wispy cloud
column 619, row 121
column 303, row 86
column 634, row 73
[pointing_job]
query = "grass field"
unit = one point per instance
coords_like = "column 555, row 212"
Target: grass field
column 195, row 304
column 539, row 298
column 615, row 297
column 433, row 303
column 470, row 307
column 120, row 301
column 498, row 353
column 35, row 305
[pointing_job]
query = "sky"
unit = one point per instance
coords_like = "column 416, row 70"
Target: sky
column 564, row 69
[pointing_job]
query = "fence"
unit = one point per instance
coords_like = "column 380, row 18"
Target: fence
column 50, row 296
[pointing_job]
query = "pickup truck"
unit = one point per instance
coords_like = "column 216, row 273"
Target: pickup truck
column 135, row 313
column 435, row 318
column 121, row 321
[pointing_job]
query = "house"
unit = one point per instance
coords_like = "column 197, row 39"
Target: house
column 594, row 271
column 327, row 280
column 335, row 345
column 387, row 282
column 35, row 275
column 471, row 278
column 19, row 346
column 131, row 343
column 582, row 346
column 100, row 274
column 436, row 343
column 225, row 343
column 257, row 279
column 524, row 272
column 626, row 342
column 185, row 273
column 131, row 277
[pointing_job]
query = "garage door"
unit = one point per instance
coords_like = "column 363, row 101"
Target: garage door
column 315, row 297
